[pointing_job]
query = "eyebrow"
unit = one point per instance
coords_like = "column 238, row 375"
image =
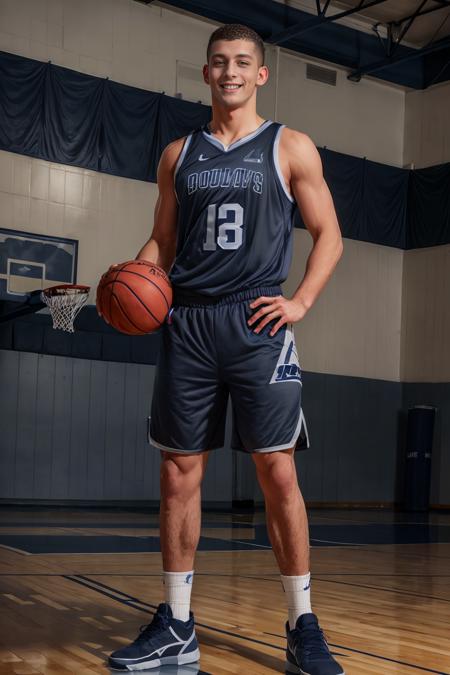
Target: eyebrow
column 247, row 56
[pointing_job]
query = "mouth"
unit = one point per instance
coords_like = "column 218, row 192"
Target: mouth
column 230, row 87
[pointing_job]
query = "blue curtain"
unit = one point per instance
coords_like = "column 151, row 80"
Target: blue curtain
column 63, row 116
column 59, row 115
column 429, row 207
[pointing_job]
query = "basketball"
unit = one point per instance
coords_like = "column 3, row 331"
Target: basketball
column 134, row 297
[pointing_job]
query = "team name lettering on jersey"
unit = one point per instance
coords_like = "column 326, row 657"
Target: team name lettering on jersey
column 225, row 178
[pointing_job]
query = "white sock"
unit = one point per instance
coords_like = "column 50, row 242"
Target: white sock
column 298, row 596
column 177, row 592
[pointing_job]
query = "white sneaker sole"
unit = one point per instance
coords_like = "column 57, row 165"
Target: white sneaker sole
column 292, row 668
column 192, row 657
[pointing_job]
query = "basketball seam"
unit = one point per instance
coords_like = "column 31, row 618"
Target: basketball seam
column 110, row 297
column 117, row 281
column 150, row 280
column 159, row 271
column 126, row 315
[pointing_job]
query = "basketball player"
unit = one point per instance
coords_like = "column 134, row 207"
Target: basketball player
column 223, row 228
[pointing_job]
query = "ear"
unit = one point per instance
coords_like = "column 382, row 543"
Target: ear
column 263, row 76
column 206, row 73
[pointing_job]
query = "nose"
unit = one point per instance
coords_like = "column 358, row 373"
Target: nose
column 229, row 70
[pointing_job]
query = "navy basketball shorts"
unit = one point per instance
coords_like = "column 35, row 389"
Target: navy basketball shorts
column 208, row 353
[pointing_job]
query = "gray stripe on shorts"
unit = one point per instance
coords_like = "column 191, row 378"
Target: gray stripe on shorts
column 293, row 441
column 180, row 451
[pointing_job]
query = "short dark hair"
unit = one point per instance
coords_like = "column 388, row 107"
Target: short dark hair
column 236, row 31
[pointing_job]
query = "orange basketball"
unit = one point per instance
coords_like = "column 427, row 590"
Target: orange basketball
column 134, row 297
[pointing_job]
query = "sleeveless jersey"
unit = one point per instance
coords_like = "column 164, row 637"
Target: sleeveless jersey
column 235, row 215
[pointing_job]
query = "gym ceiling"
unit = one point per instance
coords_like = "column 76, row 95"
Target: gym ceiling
column 405, row 42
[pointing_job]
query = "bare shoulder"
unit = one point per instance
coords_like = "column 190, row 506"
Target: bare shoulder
column 170, row 155
column 299, row 151
column 292, row 137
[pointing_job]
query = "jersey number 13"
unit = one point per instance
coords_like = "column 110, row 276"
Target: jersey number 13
column 229, row 234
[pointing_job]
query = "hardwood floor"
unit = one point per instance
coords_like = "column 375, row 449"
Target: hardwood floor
column 75, row 585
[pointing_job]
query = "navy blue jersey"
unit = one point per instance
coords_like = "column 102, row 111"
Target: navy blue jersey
column 235, row 216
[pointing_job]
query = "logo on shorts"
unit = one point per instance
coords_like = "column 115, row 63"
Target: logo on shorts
column 288, row 367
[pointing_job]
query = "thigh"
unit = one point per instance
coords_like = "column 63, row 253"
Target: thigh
column 189, row 400
column 265, row 381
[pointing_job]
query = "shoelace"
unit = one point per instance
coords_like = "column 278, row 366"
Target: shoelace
column 313, row 642
column 147, row 630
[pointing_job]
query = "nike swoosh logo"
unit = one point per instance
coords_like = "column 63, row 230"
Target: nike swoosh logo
column 202, row 158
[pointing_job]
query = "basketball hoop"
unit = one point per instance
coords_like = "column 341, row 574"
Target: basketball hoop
column 64, row 302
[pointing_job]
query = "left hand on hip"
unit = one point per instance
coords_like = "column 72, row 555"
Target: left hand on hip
column 287, row 311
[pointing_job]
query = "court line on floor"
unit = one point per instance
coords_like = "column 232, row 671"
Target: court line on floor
column 265, row 546
column 338, row 543
column 135, row 602
column 405, row 553
column 380, row 588
column 373, row 588
column 382, row 658
column 132, row 601
column 249, row 543
column 16, row 550
column 239, row 576
column 109, row 526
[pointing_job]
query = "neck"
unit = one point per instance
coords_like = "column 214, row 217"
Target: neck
column 232, row 123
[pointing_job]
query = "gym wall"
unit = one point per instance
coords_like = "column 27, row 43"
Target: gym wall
column 425, row 355
column 427, row 135
column 350, row 343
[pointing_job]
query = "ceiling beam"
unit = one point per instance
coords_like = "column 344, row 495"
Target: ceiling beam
column 299, row 29
column 422, row 12
column 356, row 75
column 404, row 24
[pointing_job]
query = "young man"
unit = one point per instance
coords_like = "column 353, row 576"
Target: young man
column 223, row 228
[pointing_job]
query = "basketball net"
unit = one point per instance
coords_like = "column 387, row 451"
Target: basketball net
column 64, row 302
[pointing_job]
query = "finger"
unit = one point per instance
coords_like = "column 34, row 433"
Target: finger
column 258, row 301
column 261, row 312
column 265, row 321
column 277, row 326
column 264, row 299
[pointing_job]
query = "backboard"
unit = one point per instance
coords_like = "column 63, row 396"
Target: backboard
column 29, row 262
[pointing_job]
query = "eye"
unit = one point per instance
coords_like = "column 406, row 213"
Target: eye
column 243, row 63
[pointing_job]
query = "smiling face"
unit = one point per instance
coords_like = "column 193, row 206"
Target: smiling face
column 234, row 72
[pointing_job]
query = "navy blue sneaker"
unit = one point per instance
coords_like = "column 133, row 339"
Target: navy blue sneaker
column 163, row 641
column 307, row 651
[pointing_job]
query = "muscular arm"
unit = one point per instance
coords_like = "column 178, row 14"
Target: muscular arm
column 302, row 170
column 161, row 246
column 302, row 163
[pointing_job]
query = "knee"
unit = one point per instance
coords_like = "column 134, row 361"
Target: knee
column 180, row 476
column 277, row 475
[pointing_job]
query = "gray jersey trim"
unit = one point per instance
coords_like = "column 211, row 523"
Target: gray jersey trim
column 226, row 148
column 183, row 152
column 277, row 164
